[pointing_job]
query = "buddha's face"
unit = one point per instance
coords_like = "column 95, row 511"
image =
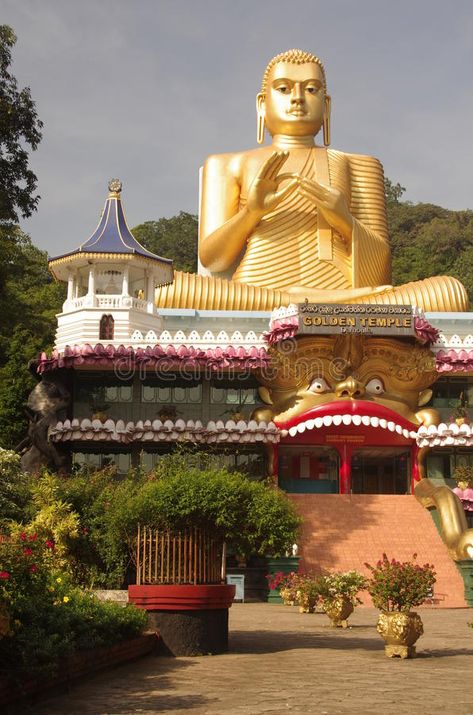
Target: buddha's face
column 295, row 99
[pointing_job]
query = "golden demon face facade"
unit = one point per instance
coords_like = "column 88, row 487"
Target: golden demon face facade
column 315, row 380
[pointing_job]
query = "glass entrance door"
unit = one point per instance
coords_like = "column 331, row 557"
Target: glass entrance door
column 381, row 470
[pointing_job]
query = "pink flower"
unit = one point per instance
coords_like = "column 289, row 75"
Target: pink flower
column 23, row 536
column 50, row 544
column 33, row 537
column 4, row 575
column 33, row 568
column 27, row 551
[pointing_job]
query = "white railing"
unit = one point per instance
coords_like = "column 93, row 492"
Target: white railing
column 106, row 302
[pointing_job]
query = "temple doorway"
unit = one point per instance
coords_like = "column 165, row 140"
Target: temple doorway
column 309, row 469
column 381, row 470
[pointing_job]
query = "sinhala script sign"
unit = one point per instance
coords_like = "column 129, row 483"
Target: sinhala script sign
column 357, row 318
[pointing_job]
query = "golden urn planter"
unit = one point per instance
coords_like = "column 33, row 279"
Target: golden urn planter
column 400, row 631
column 306, row 603
column 339, row 611
column 287, row 596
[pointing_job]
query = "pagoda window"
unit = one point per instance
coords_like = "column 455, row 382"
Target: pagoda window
column 107, row 327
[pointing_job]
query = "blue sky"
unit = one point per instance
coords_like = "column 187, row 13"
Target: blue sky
column 145, row 90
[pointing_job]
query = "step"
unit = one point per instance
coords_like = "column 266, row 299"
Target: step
column 342, row 532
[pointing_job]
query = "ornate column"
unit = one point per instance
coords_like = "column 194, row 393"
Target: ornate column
column 70, row 286
column 91, row 287
column 125, row 281
column 150, row 292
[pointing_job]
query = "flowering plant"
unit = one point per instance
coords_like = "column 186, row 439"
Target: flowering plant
column 24, row 563
column 308, row 587
column 278, row 579
column 43, row 615
column 398, row 586
column 334, row 586
column 463, row 475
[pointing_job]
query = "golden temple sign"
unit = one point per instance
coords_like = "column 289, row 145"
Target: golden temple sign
column 362, row 319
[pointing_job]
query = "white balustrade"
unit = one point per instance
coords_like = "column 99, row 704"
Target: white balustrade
column 108, row 302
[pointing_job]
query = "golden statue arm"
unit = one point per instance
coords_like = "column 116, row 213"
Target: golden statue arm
column 224, row 226
column 456, row 535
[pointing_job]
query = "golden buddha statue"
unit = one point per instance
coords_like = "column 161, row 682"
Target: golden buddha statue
column 294, row 221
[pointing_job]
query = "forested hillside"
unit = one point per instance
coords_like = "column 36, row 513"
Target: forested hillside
column 428, row 240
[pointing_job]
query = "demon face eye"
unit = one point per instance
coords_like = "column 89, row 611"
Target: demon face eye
column 375, row 386
column 319, row 386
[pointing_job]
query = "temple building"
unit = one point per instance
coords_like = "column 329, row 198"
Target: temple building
column 289, row 353
column 142, row 379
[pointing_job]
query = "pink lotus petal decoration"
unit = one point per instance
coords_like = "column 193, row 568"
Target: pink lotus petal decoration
column 425, row 332
column 454, row 360
column 153, row 356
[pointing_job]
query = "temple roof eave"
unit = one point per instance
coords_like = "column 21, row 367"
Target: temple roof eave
column 219, row 432
column 61, row 266
column 121, row 432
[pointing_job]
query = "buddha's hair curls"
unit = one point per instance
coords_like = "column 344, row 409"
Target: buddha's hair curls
column 295, row 57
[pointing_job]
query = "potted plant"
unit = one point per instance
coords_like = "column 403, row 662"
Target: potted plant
column 307, row 593
column 289, row 587
column 98, row 406
column 286, row 584
column 463, row 475
column 338, row 593
column 191, row 498
column 396, row 587
column 235, row 413
column 168, row 412
column 460, row 415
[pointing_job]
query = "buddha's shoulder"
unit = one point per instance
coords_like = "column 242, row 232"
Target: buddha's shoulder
column 236, row 163
column 358, row 163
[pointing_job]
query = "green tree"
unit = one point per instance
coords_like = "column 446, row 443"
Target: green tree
column 19, row 125
column 174, row 237
column 393, row 192
column 29, row 302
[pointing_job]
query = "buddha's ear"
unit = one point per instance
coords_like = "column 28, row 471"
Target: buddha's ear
column 326, row 124
column 424, row 397
column 260, row 111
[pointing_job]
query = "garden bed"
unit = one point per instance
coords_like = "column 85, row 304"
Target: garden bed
column 78, row 665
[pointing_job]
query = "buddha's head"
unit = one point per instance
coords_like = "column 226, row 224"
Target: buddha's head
column 293, row 98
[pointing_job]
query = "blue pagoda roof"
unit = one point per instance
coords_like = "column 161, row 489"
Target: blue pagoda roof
column 112, row 235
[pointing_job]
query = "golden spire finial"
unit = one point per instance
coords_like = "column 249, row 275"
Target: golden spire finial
column 114, row 187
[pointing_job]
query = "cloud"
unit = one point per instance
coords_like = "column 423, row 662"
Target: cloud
column 145, row 91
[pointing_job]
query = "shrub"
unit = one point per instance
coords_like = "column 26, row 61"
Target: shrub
column 399, row 586
column 334, row 586
column 46, row 616
column 14, row 488
column 252, row 517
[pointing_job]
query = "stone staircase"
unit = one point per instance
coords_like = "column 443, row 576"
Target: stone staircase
column 342, row 532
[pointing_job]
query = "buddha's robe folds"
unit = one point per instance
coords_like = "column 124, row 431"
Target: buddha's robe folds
column 293, row 247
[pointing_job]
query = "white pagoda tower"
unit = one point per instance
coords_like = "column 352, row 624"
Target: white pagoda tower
column 111, row 280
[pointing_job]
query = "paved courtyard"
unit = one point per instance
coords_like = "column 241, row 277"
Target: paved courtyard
column 283, row 662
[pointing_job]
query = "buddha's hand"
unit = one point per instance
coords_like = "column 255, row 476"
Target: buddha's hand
column 331, row 203
column 264, row 194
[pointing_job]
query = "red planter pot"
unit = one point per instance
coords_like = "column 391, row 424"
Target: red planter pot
column 190, row 620
column 182, row 597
